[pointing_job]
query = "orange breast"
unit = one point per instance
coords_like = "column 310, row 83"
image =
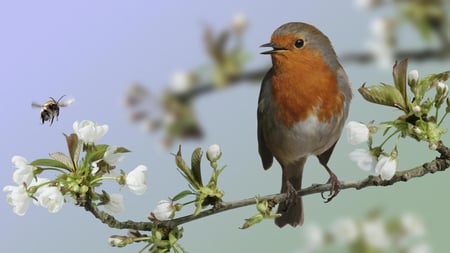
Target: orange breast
column 304, row 86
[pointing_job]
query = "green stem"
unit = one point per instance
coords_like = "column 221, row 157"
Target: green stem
column 103, row 178
column 146, row 246
column 189, row 202
column 442, row 120
column 390, row 136
column 34, row 188
column 436, row 115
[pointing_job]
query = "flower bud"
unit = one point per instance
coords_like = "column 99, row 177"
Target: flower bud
column 182, row 82
column 117, row 240
column 416, row 110
column 441, row 87
column 213, row 153
column 239, row 23
column 416, row 130
column 413, row 76
column 441, row 94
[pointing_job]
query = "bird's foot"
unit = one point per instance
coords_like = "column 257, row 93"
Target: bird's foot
column 335, row 188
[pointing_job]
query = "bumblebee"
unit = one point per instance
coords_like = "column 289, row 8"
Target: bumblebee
column 50, row 109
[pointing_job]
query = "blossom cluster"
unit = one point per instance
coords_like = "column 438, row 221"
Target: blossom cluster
column 46, row 196
column 423, row 113
column 77, row 178
column 373, row 234
column 165, row 210
column 370, row 160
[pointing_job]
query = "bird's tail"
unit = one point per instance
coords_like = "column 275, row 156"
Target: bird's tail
column 291, row 209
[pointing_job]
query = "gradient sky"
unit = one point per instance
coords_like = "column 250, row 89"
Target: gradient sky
column 93, row 50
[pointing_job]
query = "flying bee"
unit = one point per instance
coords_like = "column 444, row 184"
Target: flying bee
column 50, row 109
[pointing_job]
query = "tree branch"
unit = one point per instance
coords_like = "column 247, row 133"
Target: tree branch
column 439, row 164
column 361, row 57
column 112, row 222
column 417, row 55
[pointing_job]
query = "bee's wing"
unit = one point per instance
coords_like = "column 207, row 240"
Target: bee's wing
column 34, row 104
column 67, row 102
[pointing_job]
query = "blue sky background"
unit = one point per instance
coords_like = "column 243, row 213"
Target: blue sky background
column 92, row 51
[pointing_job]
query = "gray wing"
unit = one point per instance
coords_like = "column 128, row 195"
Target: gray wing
column 34, row 104
column 264, row 152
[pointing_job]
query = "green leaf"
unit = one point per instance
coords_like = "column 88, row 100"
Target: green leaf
column 49, row 163
column 63, row 158
column 399, row 73
column 182, row 195
column 122, row 150
column 185, row 170
column 195, row 165
column 427, row 82
column 384, row 95
column 97, row 153
column 74, row 147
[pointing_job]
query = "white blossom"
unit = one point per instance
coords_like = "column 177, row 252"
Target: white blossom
column 420, row 248
column 115, row 203
column 95, row 167
column 344, row 230
column 366, row 4
column 165, row 210
column 412, row 225
column 364, row 160
column 314, row 238
column 18, row 198
column 357, row 133
column 181, row 82
column 239, row 22
column 386, row 167
column 24, row 171
column 135, row 180
column 384, row 54
column 50, row 197
column 374, row 233
column 111, row 157
column 88, row 131
column 382, row 44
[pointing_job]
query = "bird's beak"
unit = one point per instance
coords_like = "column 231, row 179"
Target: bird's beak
column 275, row 48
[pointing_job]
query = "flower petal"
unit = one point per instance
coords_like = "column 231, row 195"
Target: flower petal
column 357, row 133
column 18, row 198
column 135, row 180
column 364, row 160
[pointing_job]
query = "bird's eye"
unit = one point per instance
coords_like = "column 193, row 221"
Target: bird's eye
column 299, row 43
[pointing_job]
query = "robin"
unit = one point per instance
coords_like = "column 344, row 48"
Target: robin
column 302, row 107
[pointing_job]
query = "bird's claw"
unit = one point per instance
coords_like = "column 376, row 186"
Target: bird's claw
column 334, row 190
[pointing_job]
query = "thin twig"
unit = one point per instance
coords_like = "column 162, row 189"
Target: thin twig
column 439, row 164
